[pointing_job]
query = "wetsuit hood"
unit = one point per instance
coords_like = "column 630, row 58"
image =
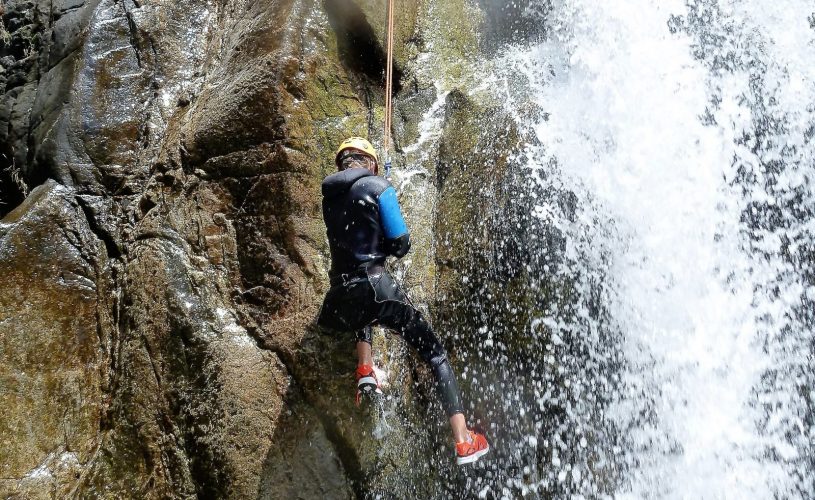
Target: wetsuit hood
column 340, row 182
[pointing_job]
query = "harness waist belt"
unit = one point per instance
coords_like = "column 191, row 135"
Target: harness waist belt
column 357, row 275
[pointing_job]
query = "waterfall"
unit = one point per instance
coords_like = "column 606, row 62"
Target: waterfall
column 684, row 132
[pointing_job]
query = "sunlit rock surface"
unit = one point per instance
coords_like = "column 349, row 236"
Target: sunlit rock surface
column 611, row 211
column 55, row 371
column 161, row 278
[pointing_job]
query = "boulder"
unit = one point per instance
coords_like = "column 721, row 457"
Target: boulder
column 56, row 353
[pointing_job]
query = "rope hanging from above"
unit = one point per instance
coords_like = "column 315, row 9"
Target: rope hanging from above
column 389, row 91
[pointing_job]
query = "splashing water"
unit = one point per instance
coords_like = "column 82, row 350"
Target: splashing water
column 685, row 129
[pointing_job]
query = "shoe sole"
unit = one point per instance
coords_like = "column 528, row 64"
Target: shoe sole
column 472, row 458
column 369, row 389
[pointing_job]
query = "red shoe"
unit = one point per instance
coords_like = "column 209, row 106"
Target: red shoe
column 367, row 383
column 471, row 450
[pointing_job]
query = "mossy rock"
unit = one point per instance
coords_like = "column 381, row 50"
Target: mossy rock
column 53, row 340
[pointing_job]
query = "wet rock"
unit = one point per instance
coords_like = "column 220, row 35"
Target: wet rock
column 53, row 320
column 486, row 298
column 496, row 278
column 510, row 22
column 41, row 49
column 157, row 318
column 318, row 471
column 196, row 398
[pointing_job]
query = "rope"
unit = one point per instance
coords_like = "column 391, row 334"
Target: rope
column 389, row 90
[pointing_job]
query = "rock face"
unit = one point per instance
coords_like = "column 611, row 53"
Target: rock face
column 54, row 371
column 162, row 276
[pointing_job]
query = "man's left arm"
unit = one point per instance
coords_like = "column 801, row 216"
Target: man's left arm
column 397, row 236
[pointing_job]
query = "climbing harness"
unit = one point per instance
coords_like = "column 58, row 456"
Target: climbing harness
column 389, row 91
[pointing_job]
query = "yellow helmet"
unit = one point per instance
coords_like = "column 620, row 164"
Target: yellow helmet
column 356, row 143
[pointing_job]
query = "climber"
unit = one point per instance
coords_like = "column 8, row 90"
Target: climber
column 365, row 226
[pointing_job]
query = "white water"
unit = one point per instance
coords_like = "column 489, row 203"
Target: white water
column 703, row 308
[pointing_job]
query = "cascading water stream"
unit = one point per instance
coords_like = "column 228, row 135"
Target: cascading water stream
column 685, row 131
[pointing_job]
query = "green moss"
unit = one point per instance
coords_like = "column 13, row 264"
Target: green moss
column 330, row 108
column 450, row 32
column 405, row 19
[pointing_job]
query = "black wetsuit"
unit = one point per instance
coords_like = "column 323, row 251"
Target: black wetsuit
column 365, row 226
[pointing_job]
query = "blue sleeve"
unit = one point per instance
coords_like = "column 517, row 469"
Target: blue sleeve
column 390, row 215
